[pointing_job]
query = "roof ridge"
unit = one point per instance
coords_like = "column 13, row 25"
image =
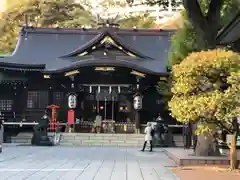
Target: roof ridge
column 96, row 30
column 84, row 46
column 99, row 38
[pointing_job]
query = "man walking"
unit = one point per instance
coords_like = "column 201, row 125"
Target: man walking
column 148, row 137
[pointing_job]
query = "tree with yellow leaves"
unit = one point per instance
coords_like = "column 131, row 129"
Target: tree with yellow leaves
column 206, row 91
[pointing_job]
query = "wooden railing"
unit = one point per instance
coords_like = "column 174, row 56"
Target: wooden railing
column 18, row 119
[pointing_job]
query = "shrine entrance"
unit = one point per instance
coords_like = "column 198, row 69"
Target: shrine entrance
column 107, row 103
column 107, row 109
column 112, row 102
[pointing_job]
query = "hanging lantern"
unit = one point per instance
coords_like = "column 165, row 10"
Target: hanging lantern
column 90, row 89
column 137, row 102
column 72, row 101
column 110, row 89
column 119, row 89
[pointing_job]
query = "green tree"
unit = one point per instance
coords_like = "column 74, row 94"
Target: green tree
column 187, row 39
column 138, row 21
column 202, row 21
column 183, row 42
column 211, row 15
column 206, row 91
column 65, row 13
column 141, row 20
column 206, row 16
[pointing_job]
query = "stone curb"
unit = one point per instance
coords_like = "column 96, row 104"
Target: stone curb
column 193, row 161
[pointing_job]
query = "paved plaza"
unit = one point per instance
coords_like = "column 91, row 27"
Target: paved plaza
column 83, row 163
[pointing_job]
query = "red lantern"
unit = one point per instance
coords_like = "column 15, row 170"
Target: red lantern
column 71, row 116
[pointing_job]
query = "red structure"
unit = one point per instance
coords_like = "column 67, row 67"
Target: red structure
column 53, row 122
column 71, row 117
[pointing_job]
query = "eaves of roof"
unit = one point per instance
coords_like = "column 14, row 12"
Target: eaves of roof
column 228, row 28
column 30, row 67
column 134, row 64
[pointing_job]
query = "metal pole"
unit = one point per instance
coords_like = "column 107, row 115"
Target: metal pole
column 112, row 107
column 105, row 108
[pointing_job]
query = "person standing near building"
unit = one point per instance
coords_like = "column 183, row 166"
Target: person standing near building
column 187, row 135
column 148, row 136
column 98, row 123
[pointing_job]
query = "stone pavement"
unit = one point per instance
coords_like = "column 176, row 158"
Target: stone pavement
column 83, row 163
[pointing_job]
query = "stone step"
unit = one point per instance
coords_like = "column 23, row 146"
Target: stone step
column 88, row 139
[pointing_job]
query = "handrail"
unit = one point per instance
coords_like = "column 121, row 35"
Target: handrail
column 170, row 125
column 21, row 123
column 26, row 123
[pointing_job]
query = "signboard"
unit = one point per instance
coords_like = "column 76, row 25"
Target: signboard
column 137, row 102
column 77, row 121
column 72, row 101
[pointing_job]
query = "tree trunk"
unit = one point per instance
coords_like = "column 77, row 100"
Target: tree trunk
column 206, row 26
column 206, row 145
column 233, row 152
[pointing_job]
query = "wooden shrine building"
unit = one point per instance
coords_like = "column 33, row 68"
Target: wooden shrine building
column 104, row 67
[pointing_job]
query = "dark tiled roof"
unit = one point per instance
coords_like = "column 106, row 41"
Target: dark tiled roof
column 100, row 37
column 230, row 33
column 44, row 48
column 130, row 62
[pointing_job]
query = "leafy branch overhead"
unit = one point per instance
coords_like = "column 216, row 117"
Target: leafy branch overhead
column 199, row 18
column 206, row 88
column 189, row 38
column 48, row 13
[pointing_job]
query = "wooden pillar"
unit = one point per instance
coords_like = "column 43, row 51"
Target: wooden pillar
column 137, row 121
column 49, row 87
column 50, row 96
column 24, row 100
column 73, row 105
column 18, row 96
column 137, row 101
column 14, row 97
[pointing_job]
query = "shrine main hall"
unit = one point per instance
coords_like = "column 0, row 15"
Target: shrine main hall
column 105, row 69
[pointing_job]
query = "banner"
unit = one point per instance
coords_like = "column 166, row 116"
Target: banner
column 71, row 117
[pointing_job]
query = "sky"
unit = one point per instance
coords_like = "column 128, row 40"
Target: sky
column 2, row 5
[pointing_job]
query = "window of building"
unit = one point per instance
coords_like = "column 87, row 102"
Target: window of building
column 58, row 98
column 37, row 99
column 6, row 105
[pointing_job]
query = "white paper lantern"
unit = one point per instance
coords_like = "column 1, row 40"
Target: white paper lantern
column 137, row 102
column 72, row 101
